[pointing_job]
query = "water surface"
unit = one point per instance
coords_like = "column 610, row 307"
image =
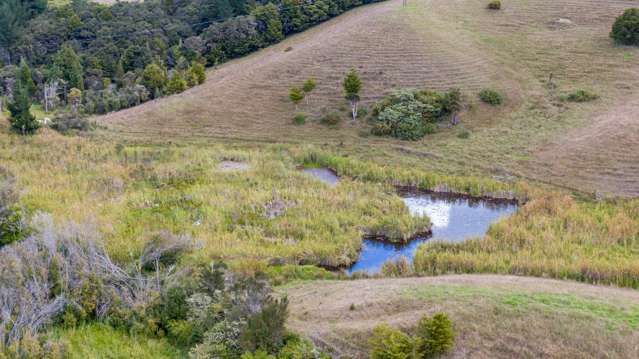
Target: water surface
column 323, row 174
column 453, row 218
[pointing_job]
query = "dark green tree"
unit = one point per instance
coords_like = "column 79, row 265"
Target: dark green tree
column 67, row 66
column 25, row 78
column 352, row 86
column 625, row 30
column 21, row 119
column 14, row 14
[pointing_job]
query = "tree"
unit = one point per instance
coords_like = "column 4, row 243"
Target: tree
column 176, row 84
column 295, row 94
column 352, row 86
column 625, row 30
column 24, row 77
column 390, row 343
column 198, row 73
column 75, row 98
column 154, row 79
column 435, row 336
column 67, row 66
column 266, row 330
column 308, row 87
column 270, row 24
column 21, row 119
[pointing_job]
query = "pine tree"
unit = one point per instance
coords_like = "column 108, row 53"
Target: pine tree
column 24, row 77
column 67, row 66
column 352, row 86
column 435, row 336
column 295, row 94
column 21, row 119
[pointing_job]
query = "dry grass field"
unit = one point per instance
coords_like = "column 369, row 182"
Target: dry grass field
column 494, row 316
column 438, row 44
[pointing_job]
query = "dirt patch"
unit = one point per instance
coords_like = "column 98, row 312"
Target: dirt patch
column 233, row 166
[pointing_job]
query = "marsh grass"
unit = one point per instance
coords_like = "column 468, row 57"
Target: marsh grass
column 131, row 192
column 102, row 341
column 551, row 236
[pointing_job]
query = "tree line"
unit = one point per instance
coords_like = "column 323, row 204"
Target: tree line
column 121, row 55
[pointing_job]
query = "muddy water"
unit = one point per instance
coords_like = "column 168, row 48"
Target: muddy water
column 453, row 218
column 323, row 174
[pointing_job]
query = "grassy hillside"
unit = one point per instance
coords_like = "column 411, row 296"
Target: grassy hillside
column 439, row 44
column 494, row 316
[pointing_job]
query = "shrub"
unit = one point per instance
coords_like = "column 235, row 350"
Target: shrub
column 12, row 226
column 265, row 330
column 491, row 97
column 389, row 343
column 463, row 134
column 299, row 119
column 331, row 119
column 580, row 96
column 494, row 5
column 176, row 84
column 434, row 336
column 625, row 30
column 411, row 114
column 69, row 122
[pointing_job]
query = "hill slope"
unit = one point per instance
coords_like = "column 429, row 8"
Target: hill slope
column 494, row 316
column 438, row 44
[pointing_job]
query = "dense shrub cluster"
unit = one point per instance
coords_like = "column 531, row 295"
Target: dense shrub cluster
column 580, row 96
column 625, row 30
column 494, row 5
column 411, row 114
column 491, row 97
column 432, row 338
column 108, row 51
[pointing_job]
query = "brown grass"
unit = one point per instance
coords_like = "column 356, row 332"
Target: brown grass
column 494, row 316
column 438, row 44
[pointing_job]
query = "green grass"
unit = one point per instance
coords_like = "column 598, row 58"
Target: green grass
column 98, row 341
column 616, row 315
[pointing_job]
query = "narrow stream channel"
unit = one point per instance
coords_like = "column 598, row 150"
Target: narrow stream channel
column 454, row 218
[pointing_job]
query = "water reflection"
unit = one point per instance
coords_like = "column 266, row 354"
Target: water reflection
column 454, row 219
column 323, row 174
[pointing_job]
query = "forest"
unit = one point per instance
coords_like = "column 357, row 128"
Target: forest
column 114, row 57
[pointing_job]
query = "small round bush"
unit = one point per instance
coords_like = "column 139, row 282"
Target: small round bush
column 463, row 134
column 625, row 30
column 299, row 119
column 331, row 119
column 491, row 97
column 494, row 5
